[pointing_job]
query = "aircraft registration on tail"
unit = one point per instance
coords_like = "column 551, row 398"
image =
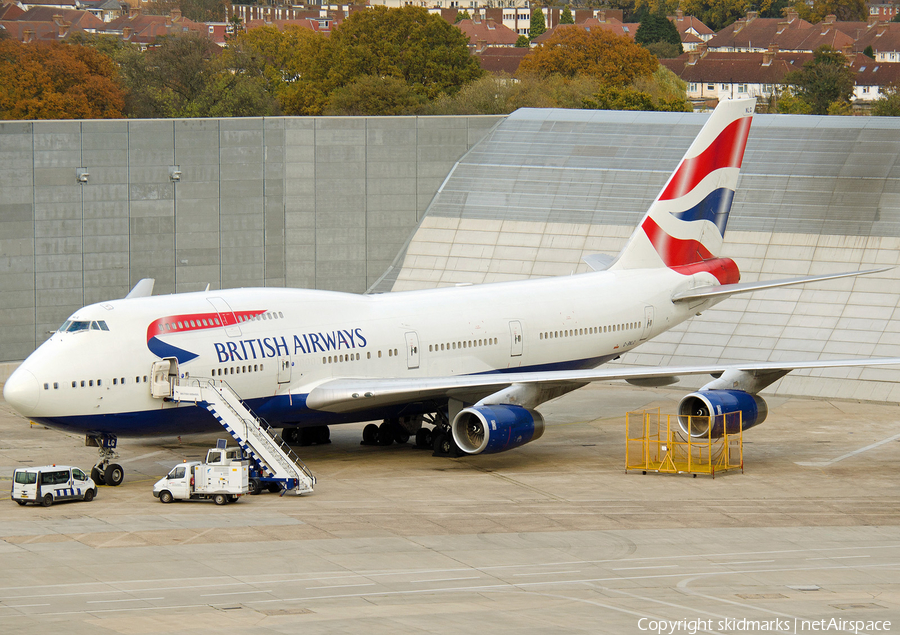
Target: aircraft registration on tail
column 471, row 363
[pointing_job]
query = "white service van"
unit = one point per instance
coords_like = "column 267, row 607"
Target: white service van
column 51, row 483
column 223, row 478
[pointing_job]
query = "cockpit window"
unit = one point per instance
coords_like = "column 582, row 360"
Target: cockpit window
column 71, row 326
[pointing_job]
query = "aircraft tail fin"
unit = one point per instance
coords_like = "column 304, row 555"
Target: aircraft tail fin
column 685, row 226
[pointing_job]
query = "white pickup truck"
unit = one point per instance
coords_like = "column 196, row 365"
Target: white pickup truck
column 223, row 478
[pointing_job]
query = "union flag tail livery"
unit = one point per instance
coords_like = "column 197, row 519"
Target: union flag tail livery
column 685, row 226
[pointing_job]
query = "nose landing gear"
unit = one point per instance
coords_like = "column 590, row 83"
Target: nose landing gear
column 105, row 470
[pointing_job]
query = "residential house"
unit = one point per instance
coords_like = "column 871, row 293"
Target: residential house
column 486, row 33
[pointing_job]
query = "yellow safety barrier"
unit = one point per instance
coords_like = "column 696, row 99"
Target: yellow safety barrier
column 657, row 443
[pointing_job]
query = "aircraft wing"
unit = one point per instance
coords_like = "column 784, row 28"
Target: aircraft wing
column 350, row 395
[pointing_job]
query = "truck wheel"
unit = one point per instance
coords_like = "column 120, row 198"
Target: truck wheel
column 47, row 500
column 114, row 474
column 220, row 499
column 253, row 487
column 22, row 503
column 88, row 496
column 274, row 487
column 165, row 496
column 233, row 498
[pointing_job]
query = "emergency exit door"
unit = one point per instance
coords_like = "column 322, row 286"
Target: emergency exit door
column 412, row 350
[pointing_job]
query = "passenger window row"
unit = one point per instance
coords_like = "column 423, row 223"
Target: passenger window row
column 237, row 370
column 592, row 330
column 343, row 358
column 270, row 315
column 452, row 346
column 90, row 383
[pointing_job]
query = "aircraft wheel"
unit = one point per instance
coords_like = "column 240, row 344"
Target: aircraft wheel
column 370, row 434
column 165, row 496
column 47, row 500
column 385, row 434
column 88, row 496
column 401, row 434
column 97, row 475
column 323, row 435
column 422, row 435
column 254, row 487
column 114, row 474
column 220, row 499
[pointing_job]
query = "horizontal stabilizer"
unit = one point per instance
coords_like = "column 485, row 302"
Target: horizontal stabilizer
column 599, row 262
column 143, row 289
column 703, row 293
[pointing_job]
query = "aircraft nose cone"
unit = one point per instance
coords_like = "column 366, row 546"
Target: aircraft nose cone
column 22, row 391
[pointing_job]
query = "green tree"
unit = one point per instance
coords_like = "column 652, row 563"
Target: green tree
column 566, row 16
column 523, row 42
column 869, row 51
column 571, row 51
column 845, row 10
column 204, row 10
column 538, row 24
column 409, row 43
column 888, row 105
column 185, row 76
column 823, row 80
column 368, row 95
column 664, row 50
column 896, row 18
column 717, row 14
column 658, row 28
column 462, row 15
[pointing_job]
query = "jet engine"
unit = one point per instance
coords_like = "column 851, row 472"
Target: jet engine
column 711, row 412
column 495, row 428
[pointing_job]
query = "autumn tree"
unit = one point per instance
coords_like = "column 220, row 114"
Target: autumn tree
column 844, row 10
column 57, row 81
column 717, row 14
column 570, row 51
column 538, row 24
column 825, row 79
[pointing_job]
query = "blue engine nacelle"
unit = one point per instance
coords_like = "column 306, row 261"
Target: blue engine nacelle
column 708, row 413
column 491, row 429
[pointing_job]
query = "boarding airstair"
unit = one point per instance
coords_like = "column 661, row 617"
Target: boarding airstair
column 274, row 458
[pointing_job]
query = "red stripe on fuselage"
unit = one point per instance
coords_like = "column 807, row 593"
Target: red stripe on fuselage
column 197, row 322
column 727, row 151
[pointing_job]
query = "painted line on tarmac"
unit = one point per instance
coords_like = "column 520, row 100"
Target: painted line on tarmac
column 848, row 455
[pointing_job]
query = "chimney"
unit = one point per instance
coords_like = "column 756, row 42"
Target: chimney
column 27, row 36
column 829, row 19
column 169, row 20
column 693, row 56
column 791, row 15
column 176, row 15
column 126, row 33
column 601, row 17
column 739, row 25
column 873, row 20
column 847, row 50
column 62, row 27
column 882, row 29
column 752, row 15
column 134, row 12
column 769, row 55
column 679, row 15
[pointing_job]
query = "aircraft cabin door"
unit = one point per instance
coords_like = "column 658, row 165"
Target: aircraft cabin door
column 515, row 336
column 648, row 322
column 226, row 316
column 163, row 374
column 284, row 369
column 412, row 350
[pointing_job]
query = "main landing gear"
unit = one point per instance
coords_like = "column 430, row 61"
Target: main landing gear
column 106, row 471
column 437, row 438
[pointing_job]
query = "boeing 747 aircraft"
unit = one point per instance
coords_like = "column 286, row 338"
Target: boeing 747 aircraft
column 471, row 362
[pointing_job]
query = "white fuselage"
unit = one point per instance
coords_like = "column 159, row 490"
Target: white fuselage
column 274, row 345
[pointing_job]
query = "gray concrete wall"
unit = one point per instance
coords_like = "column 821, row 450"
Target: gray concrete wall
column 303, row 202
